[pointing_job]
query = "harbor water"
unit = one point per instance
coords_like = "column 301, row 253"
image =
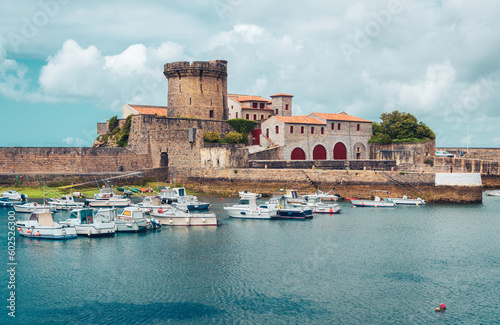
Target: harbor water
column 363, row 266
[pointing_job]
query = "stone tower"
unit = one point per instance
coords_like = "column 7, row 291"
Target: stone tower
column 197, row 89
column 283, row 104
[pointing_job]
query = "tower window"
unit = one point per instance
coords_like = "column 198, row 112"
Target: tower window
column 338, row 126
column 301, row 130
column 312, row 129
column 211, row 113
column 322, row 130
column 277, row 112
column 286, row 107
column 277, row 129
column 358, row 127
column 189, row 100
column 333, row 126
column 291, row 128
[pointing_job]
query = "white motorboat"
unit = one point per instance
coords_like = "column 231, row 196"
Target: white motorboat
column 89, row 223
column 108, row 198
column 318, row 206
column 14, row 195
column 246, row 194
column 178, row 217
column 65, row 202
column 376, row 203
column 287, row 211
column 131, row 220
column 292, row 197
column 42, row 225
column 328, row 196
column 248, row 209
column 492, row 193
column 33, row 207
column 406, row 201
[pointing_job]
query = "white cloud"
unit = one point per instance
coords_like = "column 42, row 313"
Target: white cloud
column 74, row 142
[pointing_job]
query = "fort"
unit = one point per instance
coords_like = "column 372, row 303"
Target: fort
column 319, row 150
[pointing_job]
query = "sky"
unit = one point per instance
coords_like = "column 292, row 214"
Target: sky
column 66, row 65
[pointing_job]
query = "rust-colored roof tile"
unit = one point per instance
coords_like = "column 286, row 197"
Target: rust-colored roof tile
column 340, row 117
column 301, row 119
column 281, row 95
column 150, row 110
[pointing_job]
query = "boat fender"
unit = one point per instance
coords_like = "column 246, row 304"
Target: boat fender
column 34, row 204
column 89, row 232
column 19, row 229
column 187, row 220
column 281, row 207
column 203, row 219
column 331, row 210
column 28, row 231
column 160, row 210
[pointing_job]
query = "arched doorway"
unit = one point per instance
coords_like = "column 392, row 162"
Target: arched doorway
column 339, row 151
column 319, row 153
column 298, row 154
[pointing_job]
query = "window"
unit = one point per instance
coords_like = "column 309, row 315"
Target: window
column 189, row 100
column 180, row 88
column 338, row 126
column 286, row 107
column 255, row 117
column 302, row 130
column 277, row 129
column 262, row 105
column 291, row 128
column 248, row 116
column 333, row 126
column 211, row 113
column 277, row 112
column 231, row 106
column 322, row 130
column 312, row 129
column 254, row 105
column 236, row 114
column 358, row 127
column 267, row 133
column 262, row 116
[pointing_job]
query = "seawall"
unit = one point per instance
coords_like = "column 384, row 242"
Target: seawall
column 359, row 184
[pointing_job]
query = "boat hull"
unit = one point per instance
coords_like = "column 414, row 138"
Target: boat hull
column 327, row 209
column 29, row 209
column 407, row 201
column 56, row 233
column 294, row 214
column 372, row 204
column 187, row 220
column 131, row 225
column 251, row 214
column 95, row 231
column 108, row 203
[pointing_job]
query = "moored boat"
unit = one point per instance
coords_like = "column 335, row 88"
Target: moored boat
column 107, row 198
column 376, row 203
column 65, row 202
column 406, row 201
column 42, row 225
column 33, row 207
column 14, row 195
column 131, row 220
column 492, row 193
column 89, row 223
column 287, row 211
column 247, row 208
column 318, row 206
column 178, row 217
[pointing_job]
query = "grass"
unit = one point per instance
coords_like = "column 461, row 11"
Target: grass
column 35, row 192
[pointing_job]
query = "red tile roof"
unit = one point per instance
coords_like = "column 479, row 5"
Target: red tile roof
column 281, row 95
column 150, row 110
column 245, row 98
column 301, row 119
column 257, row 108
column 340, row 117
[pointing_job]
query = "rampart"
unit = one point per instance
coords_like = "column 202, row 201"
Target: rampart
column 70, row 160
column 379, row 165
column 475, row 153
column 403, row 153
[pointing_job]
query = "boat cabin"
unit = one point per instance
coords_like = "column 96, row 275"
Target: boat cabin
column 85, row 216
column 43, row 219
column 132, row 213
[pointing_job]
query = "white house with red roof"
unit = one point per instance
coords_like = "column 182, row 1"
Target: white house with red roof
column 256, row 108
column 318, row 136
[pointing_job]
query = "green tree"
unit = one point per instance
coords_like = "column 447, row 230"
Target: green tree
column 400, row 127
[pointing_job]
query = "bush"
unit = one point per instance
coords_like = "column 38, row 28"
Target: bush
column 123, row 133
column 113, row 123
column 242, row 126
column 429, row 161
column 234, row 137
column 211, row 137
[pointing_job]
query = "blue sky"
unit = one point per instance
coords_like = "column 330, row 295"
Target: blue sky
column 66, row 65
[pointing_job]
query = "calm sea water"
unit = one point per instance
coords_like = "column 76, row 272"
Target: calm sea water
column 363, row 266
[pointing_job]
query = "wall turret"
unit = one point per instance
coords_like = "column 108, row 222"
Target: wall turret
column 282, row 104
column 197, row 89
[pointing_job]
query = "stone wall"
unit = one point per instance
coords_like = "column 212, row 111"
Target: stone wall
column 359, row 184
column 220, row 155
column 267, row 154
column 464, row 165
column 403, row 153
column 325, row 164
column 179, row 139
column 70, row 160
column 475, row 153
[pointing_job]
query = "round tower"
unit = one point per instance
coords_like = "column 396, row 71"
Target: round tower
column 197, row 89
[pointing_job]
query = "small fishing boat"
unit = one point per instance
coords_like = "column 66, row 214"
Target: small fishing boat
column 131, row 220
column 287, row 211
column 179, row 217
column 406, row 201
column 328, row 196
column 376, row 203
column 135, row 189
column 318, row 206
column 492, row 193
column 33, row 207
column 42, row 225
column 293, row 197
column 247, row 208
column 6, row 203
column 107, row 198
column 178, row 197
column 65, row 202
column 89, row 223
column 14, row 196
